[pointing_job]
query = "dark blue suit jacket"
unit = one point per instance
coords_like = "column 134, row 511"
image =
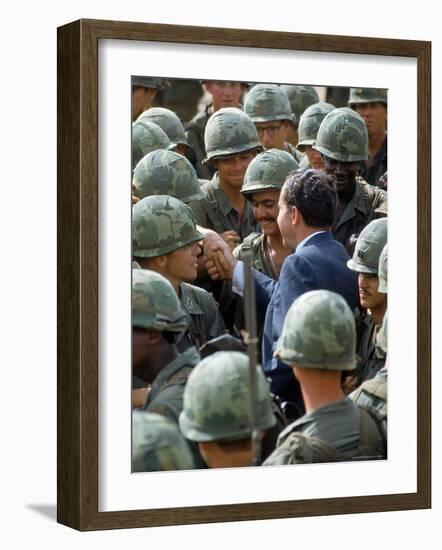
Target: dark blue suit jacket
column 321, row 263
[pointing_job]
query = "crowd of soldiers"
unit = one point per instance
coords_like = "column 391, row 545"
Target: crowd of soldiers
column 268, row 176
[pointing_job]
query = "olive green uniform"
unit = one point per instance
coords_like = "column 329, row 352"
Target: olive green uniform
column 373, row 393
column 366, row 204
column 215, row 212
column 206, row 321
column 195, row 135
column 372, row 359
column 261, row 257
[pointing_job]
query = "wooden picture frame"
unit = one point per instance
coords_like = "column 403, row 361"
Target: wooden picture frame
column 77, row 224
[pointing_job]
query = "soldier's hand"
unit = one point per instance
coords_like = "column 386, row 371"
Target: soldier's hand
column 134, row 198
column 220, row 262
column 349, row 384
column 231, row 238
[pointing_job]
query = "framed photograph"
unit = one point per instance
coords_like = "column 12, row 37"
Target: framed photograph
column 96, row 63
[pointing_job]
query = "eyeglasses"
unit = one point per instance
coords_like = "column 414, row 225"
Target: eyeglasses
column 272, row 129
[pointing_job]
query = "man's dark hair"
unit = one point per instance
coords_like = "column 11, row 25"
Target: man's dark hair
column 313, row 194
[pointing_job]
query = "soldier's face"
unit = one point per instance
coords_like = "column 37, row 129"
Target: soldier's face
column 182, row 264
column 374, row 115
column 224, row 94
column 266, row 209
column 273, row 134
column 141, row 100
column 314, row 158
column 231, row 169
column 343, row 174
column 369, row 295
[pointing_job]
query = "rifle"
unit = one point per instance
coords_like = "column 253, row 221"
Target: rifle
column 251, row 341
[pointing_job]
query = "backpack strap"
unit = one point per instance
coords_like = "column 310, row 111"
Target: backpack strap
column 210, row 206
column 299, row 448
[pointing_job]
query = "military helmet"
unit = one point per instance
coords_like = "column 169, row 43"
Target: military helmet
column 268, row 170
column 367, row 95
column 383, row 270
column 157, row 444
column 267, row 102
column 162, row 224
column 146, row 137
column 310, row 122
column 149, row 82
column 300, row 98
column 168, row 121
column 343, row 136
column 163, row 172
column 382, row 335
column 318, row 332
column 369, row 246
column 155, row 304
column 217, row 399
column 229, row 131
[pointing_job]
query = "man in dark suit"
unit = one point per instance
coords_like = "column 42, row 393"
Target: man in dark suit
column 307, row 208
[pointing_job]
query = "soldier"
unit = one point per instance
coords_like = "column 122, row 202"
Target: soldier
column 223, row 94
column 231, row 143
column 181, row 96
column 216, row 413
column 365, row 262
column 371, row 104
column 144, row 89
column 263, row 182
column 300, row 98
column 147, row 137
column 342, row 140
column 158, row 445
column 373, row 392
column 163, row 172
column 269, row 109
column 168, row 121
column 307, row 206
column 318, row 343
column 165, row 240
column 308, row 128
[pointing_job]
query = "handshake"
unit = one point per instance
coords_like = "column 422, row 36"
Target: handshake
column 220, row 262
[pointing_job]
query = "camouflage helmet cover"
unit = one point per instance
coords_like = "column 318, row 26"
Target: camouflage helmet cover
column 162, row 224
column 229, row 131
column 369, row 246
column 267, row 102
column 146, row 137
column 367, row 95
column 343, row 136
column 382, row 335
column 217, row 399
column 157, row 444
column 163, row 172
column 155, row 304
column 300, row 98
column 153, row 82
column 168, row 121
column 318, row 332
column 268, row 170
column 383, row 271
column 310, row 122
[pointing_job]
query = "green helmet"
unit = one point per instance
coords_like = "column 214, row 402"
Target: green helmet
column 310, row 121
column 300, row 98
column 157, row 444
column 149, row 82
column 217, row 399
column 343, row 136
column 318, row 332
column 367, row 95
column 383, row 269
column 164, row 172
column 168, row 121
column 146, row 137
column 162, row 224
column 268, row 170
column 382, row 335
column 229, row 131
column 155, row 304
column 267, row 102
column 369, row 246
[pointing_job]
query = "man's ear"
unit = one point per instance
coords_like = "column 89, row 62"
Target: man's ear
column 296, row 216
